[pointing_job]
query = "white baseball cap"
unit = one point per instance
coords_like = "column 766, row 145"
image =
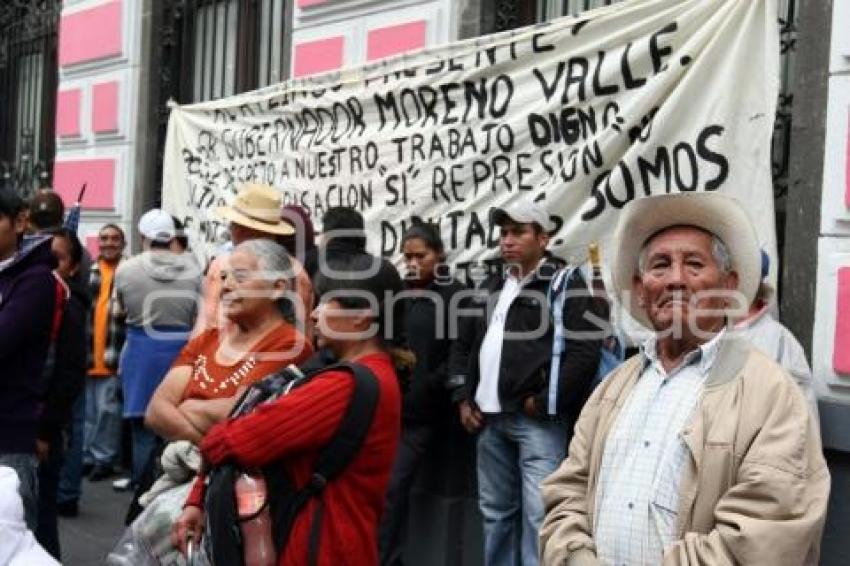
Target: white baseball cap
column 157, row 225
column 523, row 211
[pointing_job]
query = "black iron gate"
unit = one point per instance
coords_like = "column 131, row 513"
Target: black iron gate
column 210, row 49
column 28, row 81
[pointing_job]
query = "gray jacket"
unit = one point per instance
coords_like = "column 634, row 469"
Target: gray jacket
column 158, row 288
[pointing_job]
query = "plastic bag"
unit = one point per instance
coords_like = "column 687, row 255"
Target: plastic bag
column 147, row 541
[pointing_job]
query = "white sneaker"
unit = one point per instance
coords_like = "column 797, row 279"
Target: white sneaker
column 123, row 484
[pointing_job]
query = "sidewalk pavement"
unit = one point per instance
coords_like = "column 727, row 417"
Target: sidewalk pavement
column 86, row 539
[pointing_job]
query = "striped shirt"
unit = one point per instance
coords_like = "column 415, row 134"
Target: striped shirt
column 638, row 495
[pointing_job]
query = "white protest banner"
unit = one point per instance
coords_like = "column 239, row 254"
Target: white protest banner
column 582, row 114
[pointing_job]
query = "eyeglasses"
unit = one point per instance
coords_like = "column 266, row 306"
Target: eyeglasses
column 239, row 275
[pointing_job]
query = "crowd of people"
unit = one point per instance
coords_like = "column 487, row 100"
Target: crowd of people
column 279, row 403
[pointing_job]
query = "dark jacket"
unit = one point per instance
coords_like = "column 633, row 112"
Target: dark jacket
column 27, row 298
column 65, row 372
column 525, row 362
column 427, row 325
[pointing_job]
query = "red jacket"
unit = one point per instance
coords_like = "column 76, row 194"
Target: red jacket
column 295, row 428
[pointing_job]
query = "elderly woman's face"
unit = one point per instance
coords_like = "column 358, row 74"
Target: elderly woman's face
column 681, row 281
column 245, row 290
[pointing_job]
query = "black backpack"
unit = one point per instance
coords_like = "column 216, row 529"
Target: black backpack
column 224, row 537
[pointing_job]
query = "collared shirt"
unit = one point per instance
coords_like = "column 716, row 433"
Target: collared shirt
column 638, row 495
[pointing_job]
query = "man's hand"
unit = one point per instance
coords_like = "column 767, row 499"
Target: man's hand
column 190, row 523
column 529, row 407
column 42, row 450
column 470, row 417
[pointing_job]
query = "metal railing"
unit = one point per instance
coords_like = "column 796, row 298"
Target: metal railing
column 28, row 80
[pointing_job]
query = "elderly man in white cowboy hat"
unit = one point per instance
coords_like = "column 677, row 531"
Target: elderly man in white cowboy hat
column 255, row 213
column 700, row 449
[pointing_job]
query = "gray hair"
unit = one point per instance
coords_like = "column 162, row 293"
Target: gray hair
column 275, row 263
column 272, row 257
column 719, row 251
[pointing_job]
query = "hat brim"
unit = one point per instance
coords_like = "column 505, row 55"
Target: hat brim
column 499, row 216
column 281, row 228
column 716, row 213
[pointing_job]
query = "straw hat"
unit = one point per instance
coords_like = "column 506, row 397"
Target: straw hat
column 717, row 213
column 258, row 207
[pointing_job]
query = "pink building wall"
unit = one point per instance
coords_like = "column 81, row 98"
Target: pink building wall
column 332, row 34
column 96, row 107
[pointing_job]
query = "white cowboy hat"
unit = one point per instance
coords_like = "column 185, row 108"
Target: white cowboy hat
column 257, row 206
column 716, row 213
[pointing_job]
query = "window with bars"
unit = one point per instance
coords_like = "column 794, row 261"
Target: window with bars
column 28, row 79
column 548, row 9
column 271, row 47
column 232, row 46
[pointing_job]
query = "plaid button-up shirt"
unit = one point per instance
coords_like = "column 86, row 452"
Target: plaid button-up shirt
column 638, row 496
column 116, row 331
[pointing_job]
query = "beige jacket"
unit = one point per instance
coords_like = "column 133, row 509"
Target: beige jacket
column 756, row 487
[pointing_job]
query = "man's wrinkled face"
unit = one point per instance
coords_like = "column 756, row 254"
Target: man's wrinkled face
column 522, row 243
column 682, row 281
column 111, row 243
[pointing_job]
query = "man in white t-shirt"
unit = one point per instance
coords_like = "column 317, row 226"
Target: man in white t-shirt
column 500, row 370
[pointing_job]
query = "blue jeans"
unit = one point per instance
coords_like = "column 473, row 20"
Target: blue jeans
column 26, row 466
column 102, row 438
column 70, row 477
column 515, row 454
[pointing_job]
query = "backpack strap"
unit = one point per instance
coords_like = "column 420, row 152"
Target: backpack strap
column 353, row 428
column 557, row 299
column 340, row 451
